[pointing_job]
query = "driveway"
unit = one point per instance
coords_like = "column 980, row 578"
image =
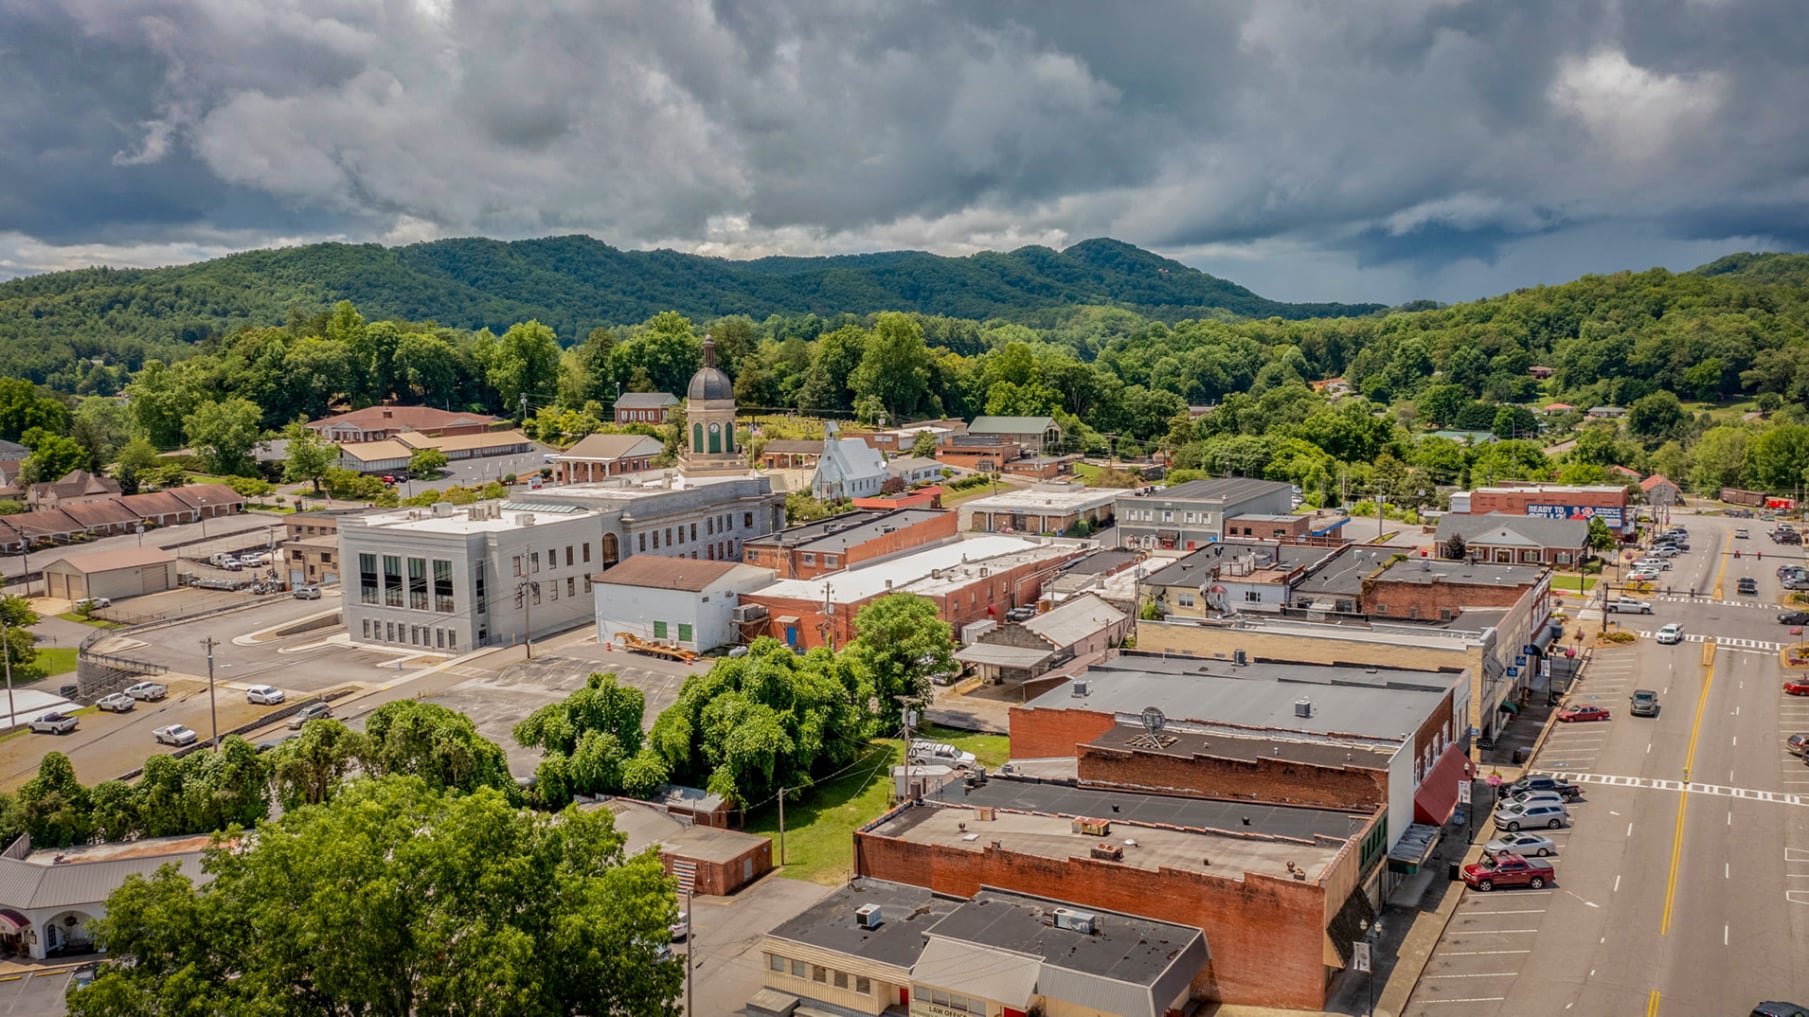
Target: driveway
column 728, row 967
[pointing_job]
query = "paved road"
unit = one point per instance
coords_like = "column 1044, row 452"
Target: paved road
column 1667, row 901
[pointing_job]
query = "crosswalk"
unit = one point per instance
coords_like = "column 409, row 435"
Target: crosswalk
column 1730, row 642
column 1710, row 602
column 1714, row 790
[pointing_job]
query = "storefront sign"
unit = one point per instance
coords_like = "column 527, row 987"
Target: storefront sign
column 1615, row 517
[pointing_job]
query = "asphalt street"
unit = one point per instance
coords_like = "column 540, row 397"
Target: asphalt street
column 1683, row 885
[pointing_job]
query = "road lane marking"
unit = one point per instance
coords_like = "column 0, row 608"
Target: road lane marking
column 1479, row 974
column 1689, row 759
column 1532, row 911
column 1472, row 999
column 1617, row 883
column 1652, row 1004
column 1724, row 935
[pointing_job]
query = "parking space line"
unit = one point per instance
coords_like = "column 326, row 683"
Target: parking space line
column 1478, row 953
column 1479, row 974
column 1473, row 999
column 1530, row 911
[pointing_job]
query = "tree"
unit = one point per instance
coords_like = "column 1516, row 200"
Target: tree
column 924, row 445
column 603, row 705
column 22, row 408
column 100, row 425
column 1601, row 538
column 426, row 463
column 894, row 367
column 311, row 768
column 55, row 804
column 138, row 455
column 1441, row 404
column 52, row 457
column 1720, row 459
column 1456, row 548
column 391, row 901
column 1516, row 422
column 224, row 434
column 21, row 645
column 525, row 363
column 1656, row 417
column 900, row 643
column 439, row 746
column 309, row 456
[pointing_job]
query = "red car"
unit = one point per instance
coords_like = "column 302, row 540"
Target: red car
column 1578, row 713
column 1796, row 686
column 1503, row 869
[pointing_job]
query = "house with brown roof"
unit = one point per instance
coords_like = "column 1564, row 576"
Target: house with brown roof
column 40, row 525
column 469, row 446
column 210, row 501
column 375, row 423
column 601, row 456
column 681, row 601
column 103, row 517
column 159, row 508
column 1660, row 491
column 76, row 485
column 120, row 573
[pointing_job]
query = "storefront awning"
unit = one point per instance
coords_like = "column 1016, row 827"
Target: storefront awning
column 786, row 619
column 1169, row 535
column 1508, row 706
column 1008, row 978
column 1543, row 637
column 1436, row 798
column 13, row 922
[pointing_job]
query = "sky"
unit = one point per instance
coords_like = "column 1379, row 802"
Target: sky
column 1382, row 151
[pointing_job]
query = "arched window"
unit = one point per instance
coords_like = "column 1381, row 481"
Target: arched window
column 697, row 437
column 728, row 438
column 715, row 438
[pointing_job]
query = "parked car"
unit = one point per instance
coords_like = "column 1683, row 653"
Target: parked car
column 306, row 593
column 54, row 723
column 1541, row 782
column 1507, row 870
column 1748, row 585
column 117, row 702
column 1585, row 712
column 313, row 711
column 1643, row 576
column 1797, row 742
column 264, row 695
column 1774, row 1009
column 1645, row 703
column 91, row 603
column 175, row 734
column 940, row 754
column 1796, row 686
column 1548, row 814
column 1522, row 844
column 147, row 691
column 1793, row 618
column 1665, row 550
column 1672, row 633
column 1651, row 565
column 681, row 929
column 1627, row 605
column 1527, row 795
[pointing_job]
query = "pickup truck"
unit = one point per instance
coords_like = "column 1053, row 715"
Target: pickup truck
column 1628, row 605
column 54, row 723
column 1503, row 869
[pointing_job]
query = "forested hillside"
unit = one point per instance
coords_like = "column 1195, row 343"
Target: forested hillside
column 574, row 284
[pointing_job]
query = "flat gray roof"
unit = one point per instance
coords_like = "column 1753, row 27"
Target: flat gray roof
column 1191, row 569
column 1101, row 562
column 1426, row 571
column 846, row 530
column 1380, row 703
column 1343, row 574
column 1185, row 745
column 1074, row 802
column 906, row 913
column 1123, row 947
column 1220, row 489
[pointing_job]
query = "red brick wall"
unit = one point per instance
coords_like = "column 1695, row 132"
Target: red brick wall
column 1402, row 599
column 1515, row 502
column 723, row 878
column 1265, row 935
column 1047, row 734
column 789, row 563
column 1266, row 780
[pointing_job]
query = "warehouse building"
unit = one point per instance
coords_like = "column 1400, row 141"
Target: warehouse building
column 127, row 572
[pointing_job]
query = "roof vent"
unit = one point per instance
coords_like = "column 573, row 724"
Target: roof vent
column 868, row 916
column 1080, row 688
column 524, row 519
column 1083, row 922
column 1303, row 707
column 442, row 509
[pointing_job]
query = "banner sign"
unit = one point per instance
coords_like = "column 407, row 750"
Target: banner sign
column 1616, row 518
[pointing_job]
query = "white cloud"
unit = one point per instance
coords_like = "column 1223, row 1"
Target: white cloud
column 1635, row 114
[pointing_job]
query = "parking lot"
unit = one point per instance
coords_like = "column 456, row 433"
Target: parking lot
column 35, row 993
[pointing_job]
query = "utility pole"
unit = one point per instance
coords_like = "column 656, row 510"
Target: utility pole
column 690, row 946
column 527, row 589
column 781, row 826
column 905, row 703
column 212, row 711
column 6, row 647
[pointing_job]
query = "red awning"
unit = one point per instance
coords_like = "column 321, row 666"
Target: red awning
column 1437, row 796
column 13, row 922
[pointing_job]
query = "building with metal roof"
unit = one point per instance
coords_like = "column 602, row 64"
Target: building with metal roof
column 49, row 898
column 1193, row 514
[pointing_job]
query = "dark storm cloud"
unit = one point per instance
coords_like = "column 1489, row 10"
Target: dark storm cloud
column 1429, row 146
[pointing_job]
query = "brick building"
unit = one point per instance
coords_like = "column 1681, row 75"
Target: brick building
column 847, row 540
column 1083, row 626
column 1053, row 508
column 1276, row 891
column 1428, row 588
column 720, row 861
column 376, row 423
column 1525, row 540
column 968, row 580
column 644, row 407
column 1550, row 501
column 601, row 456
column 981, row 453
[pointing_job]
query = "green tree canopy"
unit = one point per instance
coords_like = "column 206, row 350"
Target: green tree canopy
column 440, row 746
column 224, row 434
column 900, row 643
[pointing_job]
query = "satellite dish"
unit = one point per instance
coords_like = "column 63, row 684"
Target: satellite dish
column 1153, row 721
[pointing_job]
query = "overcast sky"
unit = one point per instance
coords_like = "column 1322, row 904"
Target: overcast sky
column 1312, row 151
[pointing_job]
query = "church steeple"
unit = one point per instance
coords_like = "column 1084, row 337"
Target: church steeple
column 709, row 350
column 710, row 419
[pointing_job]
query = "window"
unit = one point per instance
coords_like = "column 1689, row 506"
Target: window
column 684, row 632
column 710, row 526
column 442, row 586
column 681, row 534
column 392, row 580
column 568, row 555
column 571, row 586
column 586, row 584
column 553, row 590
column 1186, row 599
column 656, row 540
column 417, row 584
column 452, row 639
column 841, row 979
column 797, row 969
column 367, row 578
column 693, row 531
column 520, row 594
column 1381, row 608
column 326, row 557
column 533, row 561
column 483, row 602
column 830, row 560
column 643, row 542
column 367, row 628
column 517, row 564
column 389, row 632
column 774, row 962
column 863, row 985
column 818, row 973
column 1252, row 596
column 534, row 592
column 586, row 547
column 747, row 520
column 809, row 558
column 659, row 630
column 552, row 558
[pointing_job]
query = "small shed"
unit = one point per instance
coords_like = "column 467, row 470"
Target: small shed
column 717, row 861
column 695, row 804
column 127, row 572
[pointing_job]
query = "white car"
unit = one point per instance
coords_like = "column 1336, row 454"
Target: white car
column 1522, row 844
column 1652, row 564
column 940, row 754
column 1666, row 551
column 1642, row 576
column 175, row 734
column 147, row 691
column 1672, row 633
column 93, row 603
column 117, row 702
column 264, row 695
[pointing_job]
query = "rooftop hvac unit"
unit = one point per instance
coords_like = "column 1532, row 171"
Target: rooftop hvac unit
column 442, row 509
column 524, row 519
column 1080, row 688
column 745, row 613
column 868, row 916
column 1107, row 852
column 1091, row 827
column 1075, row 921
column 1303, row 707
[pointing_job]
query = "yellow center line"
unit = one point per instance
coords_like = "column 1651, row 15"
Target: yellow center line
column 1689, row 761
column 1721, row 573
column 1652, row 1004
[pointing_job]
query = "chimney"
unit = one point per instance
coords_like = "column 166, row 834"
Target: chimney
column 388, row 413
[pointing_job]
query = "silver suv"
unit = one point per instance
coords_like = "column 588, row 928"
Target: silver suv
column 1536, row 813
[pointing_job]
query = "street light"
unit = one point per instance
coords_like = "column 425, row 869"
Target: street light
column 1361, row 959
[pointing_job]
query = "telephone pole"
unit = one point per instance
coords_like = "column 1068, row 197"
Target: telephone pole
column 212, row 709
column 6, row 647
column 781, row 827
column 528, row 588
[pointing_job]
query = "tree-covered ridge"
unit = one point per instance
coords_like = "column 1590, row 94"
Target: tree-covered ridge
column 574, row 284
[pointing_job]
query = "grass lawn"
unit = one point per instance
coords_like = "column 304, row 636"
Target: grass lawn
column 99, row 623
column 1572, row 582
column 952, row 498
column 819, row 827
column 57, row 660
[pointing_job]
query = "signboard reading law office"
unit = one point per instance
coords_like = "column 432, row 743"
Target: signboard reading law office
column 1613, row 516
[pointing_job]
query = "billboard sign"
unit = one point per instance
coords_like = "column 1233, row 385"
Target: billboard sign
column 1614, row 516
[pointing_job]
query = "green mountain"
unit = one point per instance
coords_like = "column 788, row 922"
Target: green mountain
column 1764, row 269
column 575, row 283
